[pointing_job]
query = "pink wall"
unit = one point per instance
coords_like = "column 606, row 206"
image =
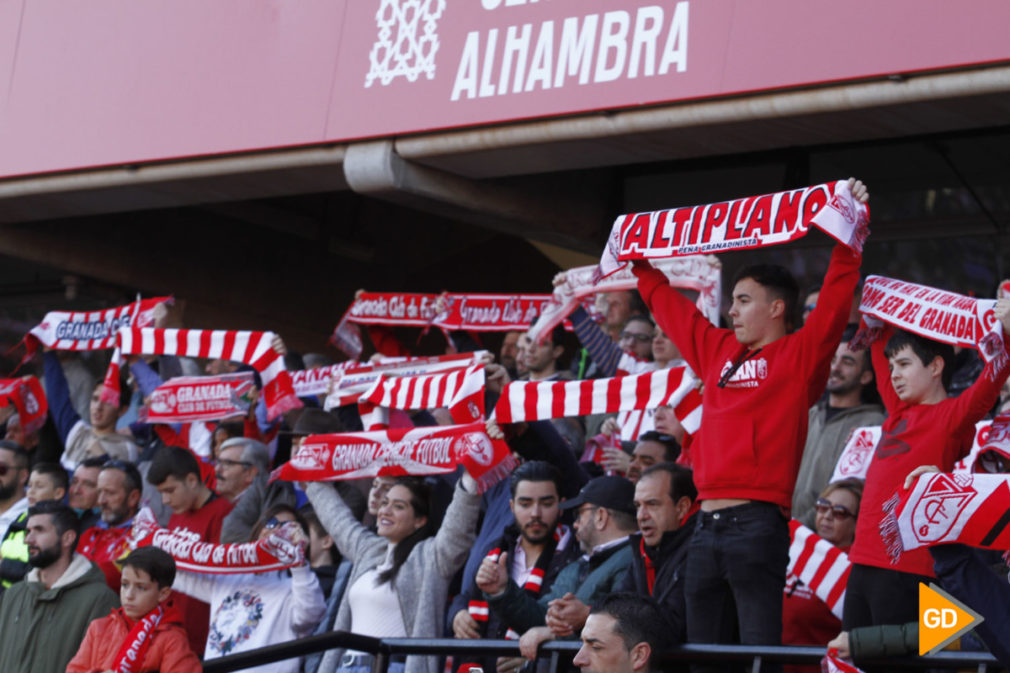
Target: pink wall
column 117, row 81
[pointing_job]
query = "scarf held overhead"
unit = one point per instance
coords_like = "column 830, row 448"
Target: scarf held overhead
column 474, row 312
column 399, row 452
column 28, row 399
column 461, row 391
column 818, row 564
column 692, row 273
column 188, row 399
column 251, row 348
column 752, row 222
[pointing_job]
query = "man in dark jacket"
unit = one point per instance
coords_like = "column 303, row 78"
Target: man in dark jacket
column 664, row 496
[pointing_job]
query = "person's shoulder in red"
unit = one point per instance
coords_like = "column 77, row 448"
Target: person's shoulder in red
column 175, row 472
column 169, row 651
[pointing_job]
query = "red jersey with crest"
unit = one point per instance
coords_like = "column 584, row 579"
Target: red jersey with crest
column 914, row 435
column 753, row 429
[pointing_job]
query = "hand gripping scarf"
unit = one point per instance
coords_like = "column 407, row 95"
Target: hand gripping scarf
column 130, row 657
column 542, row 400
column 461, row 391
column 251, row 348
column 399, row 452
column 190, row 399
column 935, row 314
column 818, row 564
column 29, row 401
column 278, row 551
column 692, row 273
column 752, row 222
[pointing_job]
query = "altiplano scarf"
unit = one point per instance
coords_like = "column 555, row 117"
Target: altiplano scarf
column 542, row 400
column 752, row 222
column 970, row 509
column 399, row 452
column 90, row 330
column 312, row 382
column 858, row 453
column 820, row 565
column 461, row 391
column 276, row 552
column 350, row 383
column 831, row 663
column 251, row 348
column 188, row 399
column 130, row 657
column 29, row 400
column 939, row 315
column 473, row 312
column 692, row 273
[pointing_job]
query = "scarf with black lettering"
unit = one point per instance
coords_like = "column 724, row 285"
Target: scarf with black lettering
column 752, row 222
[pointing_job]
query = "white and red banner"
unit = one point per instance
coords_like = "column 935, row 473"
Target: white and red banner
column 542, row 400
column 752, row 222
column 462, row 391
column 967, row 508
column 350, row 383
column 858, row 453
column 818, row 564
column 347, row 338
column 399, row 452
column 940, row 315
column 252, row 348
column 832, row 663
column 90, row 330
column 186, row 399
column 28, row 399
column 697, row 273
column 474, row 312
column 982, row 431
column 312, row 382
column 284, row 548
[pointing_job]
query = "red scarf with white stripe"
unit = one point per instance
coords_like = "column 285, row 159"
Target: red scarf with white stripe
column 472, row 312
column 691, row 273
column 251, row 348
column 133, row 651
column 752, row 222
column 399, row 452
column 461, row 391
column 312, row 382
column 542, row 400
column 831, row 663
column 276, row 552
column 939, row 315
column 820, row 565
column 29, row 400
column 350, row 383
column 189, row 399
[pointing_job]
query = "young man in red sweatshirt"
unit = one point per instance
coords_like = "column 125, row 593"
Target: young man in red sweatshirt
column 759, row 380
column 923, row 427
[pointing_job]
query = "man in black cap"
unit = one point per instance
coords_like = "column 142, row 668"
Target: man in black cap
column 605, row 517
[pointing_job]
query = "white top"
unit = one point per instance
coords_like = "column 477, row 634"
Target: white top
column 375, row 608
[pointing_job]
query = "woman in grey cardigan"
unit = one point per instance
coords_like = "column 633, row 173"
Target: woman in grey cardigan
column 399, row 566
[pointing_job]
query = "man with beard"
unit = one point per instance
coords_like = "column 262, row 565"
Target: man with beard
column 119, row 491
column 13, row 479
column 44, row 618
column 533, row 550
column 848, row 406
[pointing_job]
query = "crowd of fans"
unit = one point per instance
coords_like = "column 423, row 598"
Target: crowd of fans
column 605, row 519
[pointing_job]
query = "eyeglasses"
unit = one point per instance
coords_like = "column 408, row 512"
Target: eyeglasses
column 640, row 338
column 840, row 511
column 273, row 522
column 226, row 462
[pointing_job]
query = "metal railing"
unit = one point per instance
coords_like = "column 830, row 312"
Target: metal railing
column 561, row 651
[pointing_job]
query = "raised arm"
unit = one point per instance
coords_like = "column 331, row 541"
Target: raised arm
column 458, row 531
column 882, row 372
column 602, row 349
column 346, row 531
column 58, row 394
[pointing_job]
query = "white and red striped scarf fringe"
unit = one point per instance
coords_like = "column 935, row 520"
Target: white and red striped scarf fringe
column 820, row 565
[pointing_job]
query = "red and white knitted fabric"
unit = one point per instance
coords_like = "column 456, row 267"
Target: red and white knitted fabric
column 29, row 401
column 462, row 391
column 462, row 311
column 251, row 348
column 310, row 382
column 542, row 400
column 820, row 565
column 939, row 315
column 752, row 222
column 831, row 663
column 857, row 455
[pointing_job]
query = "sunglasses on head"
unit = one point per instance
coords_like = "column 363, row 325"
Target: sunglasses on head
column 839, row 511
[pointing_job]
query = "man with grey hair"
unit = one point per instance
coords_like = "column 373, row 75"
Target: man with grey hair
column 243, row 470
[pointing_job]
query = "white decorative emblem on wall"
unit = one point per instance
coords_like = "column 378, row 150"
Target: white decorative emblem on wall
column 407, row 41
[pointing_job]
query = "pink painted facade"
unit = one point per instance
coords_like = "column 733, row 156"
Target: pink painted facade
column 109, row 82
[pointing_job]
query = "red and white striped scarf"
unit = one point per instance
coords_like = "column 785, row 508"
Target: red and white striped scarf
column 90, row 330
column 970, row 509
column 542, row 400
column 820, row 565
column 29, row 401
column 463, row 311
column 189, row 399
column 251, row 348
column 832, row 663
column 399, row 452
column 461, row 391
column 752, row 222
column 939, row 315
column 276, row 552
column 133, row 651
column 312, row 382
column 691, row 273
column 350, row 383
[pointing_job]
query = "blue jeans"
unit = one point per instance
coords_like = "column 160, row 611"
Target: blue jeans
column 736, row 569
